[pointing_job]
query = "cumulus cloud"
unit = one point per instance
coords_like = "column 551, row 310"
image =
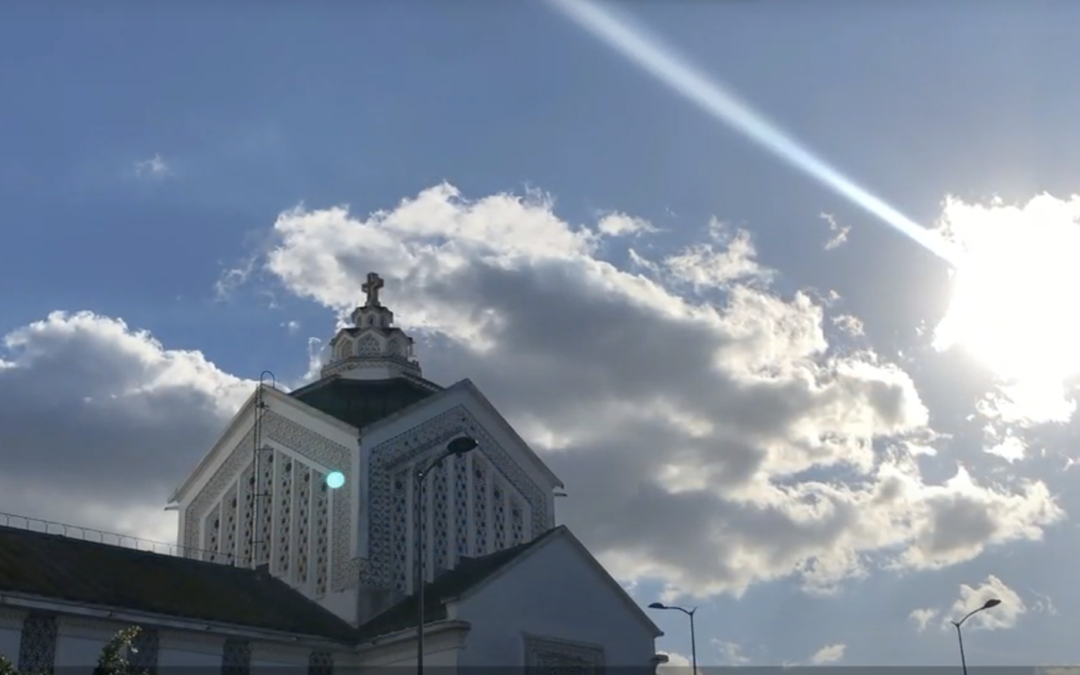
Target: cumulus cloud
column 718, row 404
column 971, row 598
column 1005, row 615
column 828, row 654
column 98, row 422
column 687, row 390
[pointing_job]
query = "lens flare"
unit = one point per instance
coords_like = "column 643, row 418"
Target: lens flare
column 335, row 479
column 659, row 60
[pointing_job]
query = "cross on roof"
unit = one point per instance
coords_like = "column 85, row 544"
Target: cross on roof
column 371, row 287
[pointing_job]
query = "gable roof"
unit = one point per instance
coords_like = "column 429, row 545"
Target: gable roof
column 64, row 569
column 359, row 403
column 243, row 418
column 565, row 533
column 468, row 574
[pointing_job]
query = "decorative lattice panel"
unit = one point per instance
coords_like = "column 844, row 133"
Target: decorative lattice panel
column 322, row 534
column 461, row 507
column 369, row 346
column 303, row 526
column 247, row 514
column 440, row 525
column 230, row 509
column 37, row 646
column 320, row 663
column 213, row 535
column 498, row 515
column 517, row 523
column 480, row 506
column 236, row 658
column 144, row 653
column 283, row 504
column 401, row 530
column 265, row 506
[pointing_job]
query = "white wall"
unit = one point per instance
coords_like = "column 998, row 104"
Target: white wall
column 79, row 641
column 441, row 651
column 186, row 650
column 9, row 644
column 278, row 660
column 11, row 622
column 553, row 593
column 78, row 655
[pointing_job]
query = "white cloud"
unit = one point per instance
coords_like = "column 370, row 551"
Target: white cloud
column 703, row 266
column 234, row 277
column 923, row 617
column 849, row 324
column 1004, row 615
column 731, row 416
column 840, row 233
column 619, row 224
column 1043, row 604
column 730, row 652
column 99, row 422
column 971, row 598
column 757, row 417
column 155, row 167
column 828, row 654
column 676, row 663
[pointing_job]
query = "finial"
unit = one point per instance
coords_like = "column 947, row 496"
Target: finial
column 374, row 283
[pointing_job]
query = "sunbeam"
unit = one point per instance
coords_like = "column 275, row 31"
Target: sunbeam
column 663, row 63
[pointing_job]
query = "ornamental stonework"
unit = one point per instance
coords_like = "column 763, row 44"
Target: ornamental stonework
column 326, row 517
column 390, row 459
column 546, row 655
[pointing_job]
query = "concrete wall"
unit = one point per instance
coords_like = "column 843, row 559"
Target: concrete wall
column 556, row 594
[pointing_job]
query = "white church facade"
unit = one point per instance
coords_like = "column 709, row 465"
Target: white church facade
column 286, row 564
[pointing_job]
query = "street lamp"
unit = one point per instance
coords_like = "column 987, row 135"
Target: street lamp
column 455, row 448
column 992, row 602
column 693, row 641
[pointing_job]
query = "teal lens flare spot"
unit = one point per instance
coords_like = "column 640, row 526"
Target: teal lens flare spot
column 335, row 479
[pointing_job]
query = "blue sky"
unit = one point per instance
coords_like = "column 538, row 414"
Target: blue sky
column 147, row 151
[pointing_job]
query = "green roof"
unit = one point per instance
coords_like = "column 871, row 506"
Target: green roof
column 363, row 402
column 85, row 572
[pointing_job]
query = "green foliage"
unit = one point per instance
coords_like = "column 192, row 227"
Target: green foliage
column 113, row 659
column 6, row 668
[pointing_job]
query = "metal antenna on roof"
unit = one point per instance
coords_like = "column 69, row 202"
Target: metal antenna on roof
column 262, row 488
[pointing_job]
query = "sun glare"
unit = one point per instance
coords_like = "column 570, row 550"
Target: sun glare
column 1013, row 303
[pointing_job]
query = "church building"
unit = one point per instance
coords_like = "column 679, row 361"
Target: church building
column 304, row 530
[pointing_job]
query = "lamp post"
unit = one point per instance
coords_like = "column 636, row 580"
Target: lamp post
column 455, row 448
column 693, row 640
column 992, row 602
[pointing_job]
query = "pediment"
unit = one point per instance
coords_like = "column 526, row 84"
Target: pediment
column 482, row 415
